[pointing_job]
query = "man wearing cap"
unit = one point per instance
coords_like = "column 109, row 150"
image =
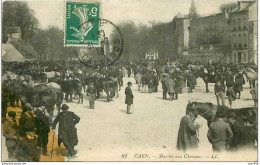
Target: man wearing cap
column 220, row 134
column 10, row 133
column 129, row 97
column 29, row 138
column 43, row 128
column 187, row 135
column 91, row 93
column 67, row 132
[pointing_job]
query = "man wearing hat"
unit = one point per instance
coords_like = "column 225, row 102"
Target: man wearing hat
column 220, row 134
column 10, row 133
column 239, row 81
column 29, row 138
column 91, row 93
column 164, row 86
column 43, row 128
column 129, row 97
column 67, row 132
column 187, row 135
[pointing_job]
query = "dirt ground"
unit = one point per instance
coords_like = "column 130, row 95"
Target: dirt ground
column 107, row 133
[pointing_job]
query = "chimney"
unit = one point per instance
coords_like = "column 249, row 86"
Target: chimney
column 238, row 5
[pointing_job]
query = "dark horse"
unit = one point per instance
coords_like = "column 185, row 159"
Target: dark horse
column 70, row 87
column 39, row 95
column 108, row 84
column 244, row 115
column 209, row 78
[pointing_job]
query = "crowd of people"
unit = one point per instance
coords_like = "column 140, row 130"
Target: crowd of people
column 28, row 139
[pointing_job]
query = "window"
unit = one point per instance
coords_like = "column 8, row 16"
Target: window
column 239, row 39
column 245, row 40
column 245, row 58
column 239, row 23
column 234, row 24
column 244, row 23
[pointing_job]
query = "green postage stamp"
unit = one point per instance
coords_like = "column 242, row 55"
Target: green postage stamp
column 81, row 24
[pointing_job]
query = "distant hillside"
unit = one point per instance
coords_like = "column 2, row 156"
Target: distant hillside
column 26, row 49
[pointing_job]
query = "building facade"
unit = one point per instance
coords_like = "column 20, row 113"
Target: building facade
column 243, row 32
column 209, row 39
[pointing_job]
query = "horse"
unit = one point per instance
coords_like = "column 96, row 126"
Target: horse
column 244, row 116
column 251, row 76
column 210, row 78
column 70, row 87
column 109, row 85
column 39, row 95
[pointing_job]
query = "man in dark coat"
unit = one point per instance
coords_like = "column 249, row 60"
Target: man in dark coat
column 164, row 87
column 187, row 135
column 91, row 93
column 155, row 81
column 67, row 132
column 220, row 134
column 29, row 139
column 239, row 81
column 191, row 81
column 129, row 97
column 43, row 128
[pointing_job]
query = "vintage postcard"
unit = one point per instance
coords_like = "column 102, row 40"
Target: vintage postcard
column 129, row 80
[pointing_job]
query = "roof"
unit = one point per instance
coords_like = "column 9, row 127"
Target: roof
column 11, row 54
column 245, row 8
column 216, row 49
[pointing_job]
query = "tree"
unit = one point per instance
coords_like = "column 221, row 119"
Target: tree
column 18, row 14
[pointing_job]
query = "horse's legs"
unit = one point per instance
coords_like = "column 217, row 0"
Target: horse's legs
column 207, row 86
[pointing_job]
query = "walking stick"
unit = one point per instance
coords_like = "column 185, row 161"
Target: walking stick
column 52, row 143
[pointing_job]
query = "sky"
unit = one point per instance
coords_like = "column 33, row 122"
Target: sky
column 51, row 12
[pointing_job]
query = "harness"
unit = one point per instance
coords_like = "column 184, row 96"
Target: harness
column 202, row 115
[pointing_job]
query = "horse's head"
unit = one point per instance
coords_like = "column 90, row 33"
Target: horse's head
column 203, row 109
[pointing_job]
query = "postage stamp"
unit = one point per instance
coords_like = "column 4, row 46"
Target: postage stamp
column 78, row 30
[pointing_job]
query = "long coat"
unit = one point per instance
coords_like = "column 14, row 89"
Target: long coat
column 129, row 96
column 181, row 79
column 191, row 80
column 67, row 130
column 170, row 86
column 239, row 81
column 187, row 136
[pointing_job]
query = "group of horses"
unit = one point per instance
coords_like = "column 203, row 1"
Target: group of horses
column 49, row 88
